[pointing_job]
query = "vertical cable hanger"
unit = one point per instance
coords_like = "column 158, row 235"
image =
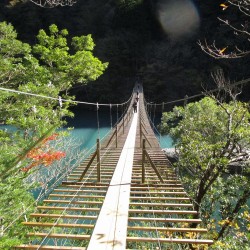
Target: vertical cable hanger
column 110, row 110
column 60, row 106
column 162, row 110
column 154, row 114
column 97, row 118
column 117, row 115
column 150, row 110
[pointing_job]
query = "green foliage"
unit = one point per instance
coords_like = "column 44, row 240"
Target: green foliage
column 49, row 68
column 67, row 69
column 83, row 43
column 52, row 74
column 15, row 200
column 206, row 132
column 209, row 136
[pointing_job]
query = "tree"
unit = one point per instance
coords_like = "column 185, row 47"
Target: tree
column 211, row 135
column 52, row 74
column 46, row 70
column 240, row 28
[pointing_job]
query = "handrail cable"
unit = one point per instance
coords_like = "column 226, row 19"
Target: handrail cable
column 198, row 95
column 61, row 99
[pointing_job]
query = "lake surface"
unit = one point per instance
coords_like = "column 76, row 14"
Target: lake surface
column 86, row 127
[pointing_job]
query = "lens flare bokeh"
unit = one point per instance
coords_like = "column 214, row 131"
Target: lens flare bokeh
column 178, row 18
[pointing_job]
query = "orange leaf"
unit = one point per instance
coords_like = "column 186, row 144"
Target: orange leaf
column 222, row 50
column 224, row 6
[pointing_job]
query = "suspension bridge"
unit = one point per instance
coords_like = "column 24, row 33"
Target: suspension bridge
column 125, row 195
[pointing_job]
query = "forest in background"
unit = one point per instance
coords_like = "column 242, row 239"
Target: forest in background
column 129, row 36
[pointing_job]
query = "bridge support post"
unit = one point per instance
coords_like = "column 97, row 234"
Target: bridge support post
column 122, row 119
column 98, row 160
column 116, row 137
column 143, row 161
column 123, row 124
column 144, row 155
column 140, row 132
column 115, row 133
column 97, row 155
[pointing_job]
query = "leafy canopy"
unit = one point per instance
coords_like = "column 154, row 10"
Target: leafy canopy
column 210, row 135
column 49, row 68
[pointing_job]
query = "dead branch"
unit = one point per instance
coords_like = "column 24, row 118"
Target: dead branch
column 242, row 5
column 53, row 3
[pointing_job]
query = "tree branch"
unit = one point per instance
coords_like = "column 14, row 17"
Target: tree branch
column 53, row 3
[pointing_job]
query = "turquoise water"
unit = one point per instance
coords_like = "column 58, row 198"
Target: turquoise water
column 164, row 140
column 86, row 127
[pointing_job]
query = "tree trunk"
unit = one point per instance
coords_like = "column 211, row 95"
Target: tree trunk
column 238, row 206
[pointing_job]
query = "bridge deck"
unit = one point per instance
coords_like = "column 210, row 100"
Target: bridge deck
column 111, row 227
column 121, row 211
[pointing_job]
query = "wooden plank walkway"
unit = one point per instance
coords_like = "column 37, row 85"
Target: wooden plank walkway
column 124, row 210
column 111, row 227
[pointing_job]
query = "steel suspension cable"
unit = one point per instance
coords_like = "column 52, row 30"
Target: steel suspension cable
column 204, row 93
column 59, row 99
column 97, row 120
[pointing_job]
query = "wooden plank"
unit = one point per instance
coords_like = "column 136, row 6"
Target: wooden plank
column 161, row 204
column 156, row 187
column 158, row 193
column 165, row 220
column 65, row 216
column 83, row 185
column 168, row 229
column 90, row 209
column 104, row 174
column 61, row 236
column 169, row 240
column 146, row 211
column 31, row 247
column 78, row 191
column 50, row 224
column 166, row 198
column 164, row 186
column 77, row 196
column 73, row 202
column 107, row 180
